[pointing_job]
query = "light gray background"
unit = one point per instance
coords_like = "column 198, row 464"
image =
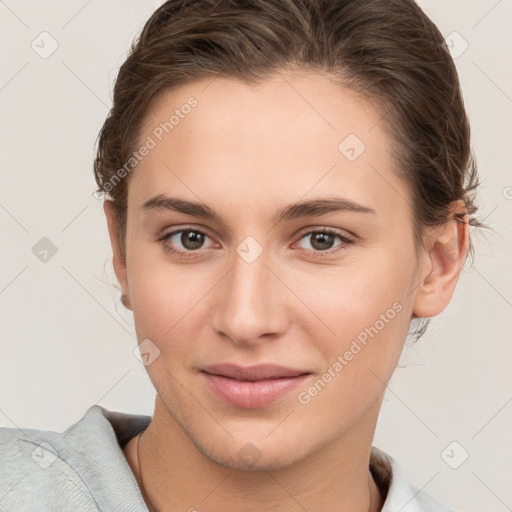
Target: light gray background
column 67, row 343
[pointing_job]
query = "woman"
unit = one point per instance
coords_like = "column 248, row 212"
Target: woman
column 288, row 189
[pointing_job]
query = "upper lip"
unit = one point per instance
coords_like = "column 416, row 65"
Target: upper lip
column 252, row 373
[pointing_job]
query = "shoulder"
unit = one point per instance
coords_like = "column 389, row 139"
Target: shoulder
column 401, row 495
column 82, row 468
column 31, row 467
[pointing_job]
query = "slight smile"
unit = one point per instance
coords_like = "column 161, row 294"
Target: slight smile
column 252, row 387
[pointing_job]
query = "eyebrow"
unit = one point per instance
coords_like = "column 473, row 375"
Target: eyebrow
column 313, row 208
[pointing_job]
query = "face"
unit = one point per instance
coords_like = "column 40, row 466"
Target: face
column 326, row 291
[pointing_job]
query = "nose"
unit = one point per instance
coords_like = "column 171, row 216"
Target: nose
column 251, row 303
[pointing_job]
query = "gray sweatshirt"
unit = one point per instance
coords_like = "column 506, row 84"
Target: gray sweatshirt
column 83, row 469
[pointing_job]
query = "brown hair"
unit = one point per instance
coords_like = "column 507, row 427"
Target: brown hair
column 387, row 50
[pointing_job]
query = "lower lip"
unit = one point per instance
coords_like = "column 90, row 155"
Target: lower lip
column 251, row 395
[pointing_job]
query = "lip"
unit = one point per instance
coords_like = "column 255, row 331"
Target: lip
column 252, row 387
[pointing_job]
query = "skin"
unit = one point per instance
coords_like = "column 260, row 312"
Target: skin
column 246, row 152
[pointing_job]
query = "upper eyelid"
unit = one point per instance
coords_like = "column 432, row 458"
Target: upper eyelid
column 303, row 231
column 328, row 229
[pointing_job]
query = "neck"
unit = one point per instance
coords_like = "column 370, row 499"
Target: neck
column 177, row 475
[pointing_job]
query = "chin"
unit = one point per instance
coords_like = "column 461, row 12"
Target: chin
column 251, row 456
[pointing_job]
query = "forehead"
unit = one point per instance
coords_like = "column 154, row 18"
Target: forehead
column 292, row 135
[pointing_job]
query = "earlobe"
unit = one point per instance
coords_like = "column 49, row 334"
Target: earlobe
column 119, row 261
column 446, row 248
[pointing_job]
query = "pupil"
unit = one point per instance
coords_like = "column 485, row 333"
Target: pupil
column 192, row 239
column 325, row 240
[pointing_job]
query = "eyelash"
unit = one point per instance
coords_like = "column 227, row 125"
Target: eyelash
column 190, row 254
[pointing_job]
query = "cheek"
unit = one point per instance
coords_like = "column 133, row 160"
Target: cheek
column 368, row 307
column 369, row 314
column 166, row 297
column 351, row 298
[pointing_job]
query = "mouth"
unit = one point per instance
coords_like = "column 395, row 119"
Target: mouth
column 252, row 387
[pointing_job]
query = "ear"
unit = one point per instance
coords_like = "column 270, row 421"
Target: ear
column 118, row 260
column 445, row 252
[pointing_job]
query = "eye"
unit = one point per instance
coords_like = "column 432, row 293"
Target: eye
column 184, row 242
column 189, row 242
column 322, row 241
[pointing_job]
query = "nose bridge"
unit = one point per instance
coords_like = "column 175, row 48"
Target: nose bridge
column 251, row 303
